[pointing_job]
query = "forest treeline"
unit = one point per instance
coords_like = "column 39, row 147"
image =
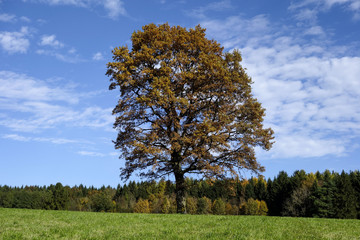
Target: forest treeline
column 325, row 195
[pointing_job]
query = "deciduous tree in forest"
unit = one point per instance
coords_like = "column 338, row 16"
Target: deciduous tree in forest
column 142, row 206
column 218, row 207
column 185, row 107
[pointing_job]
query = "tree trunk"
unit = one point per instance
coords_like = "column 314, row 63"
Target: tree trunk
column 180, row 183
column 180, row 193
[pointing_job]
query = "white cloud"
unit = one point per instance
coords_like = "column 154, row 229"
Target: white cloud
column 114, row 8
column 352, row 4
column 16, row 137
column 311, row 94
column 95, row 117
column 39, row 115
column 97, row 154
column 328, row 84
column 71, row 57
column 17, row 87
column 4, row 17
column 355, row 5
column 80, row 3
column 25, row 19
column 309, row 9
column 214, row 6
column 56, row 140
column 72, row 51
column 303, row 146
column 307, row 15
column 50, row 40
column 315, row 30
column 241, row 29
column 32, row 105
column 98, row 56
column 91, row 154
column 15, row 42
column 20, row 138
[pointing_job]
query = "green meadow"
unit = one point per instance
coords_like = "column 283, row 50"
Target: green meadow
column 45, row 224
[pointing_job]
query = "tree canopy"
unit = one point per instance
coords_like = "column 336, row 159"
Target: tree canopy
column 185, row 106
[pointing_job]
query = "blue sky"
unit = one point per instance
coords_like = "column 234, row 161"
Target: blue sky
column 55, row 106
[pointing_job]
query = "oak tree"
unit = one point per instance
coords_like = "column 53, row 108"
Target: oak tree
column 185, row 106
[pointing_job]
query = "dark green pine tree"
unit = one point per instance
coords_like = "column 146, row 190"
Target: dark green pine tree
column 220, row 189
column 322, row 198
column 61, row 197
column 239, row 189
column 118, row 192
column 206, row 190
column 6, row 197
column 125, row 191
column 355, row 181
column 84, row 190
column 170, row 187
column 297, row 179
column 278, row 192
column 270, row 194
column 192, row 189
column 249, row 190
column 133, row 188
column 142, row 190
column 260, row 190
column 345, row 199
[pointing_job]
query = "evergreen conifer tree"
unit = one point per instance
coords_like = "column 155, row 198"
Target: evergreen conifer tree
column 345, row 199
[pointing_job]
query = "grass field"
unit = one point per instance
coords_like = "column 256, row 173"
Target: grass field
column 39, row 224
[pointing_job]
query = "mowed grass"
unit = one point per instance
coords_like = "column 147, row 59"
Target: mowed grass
column 39, row 224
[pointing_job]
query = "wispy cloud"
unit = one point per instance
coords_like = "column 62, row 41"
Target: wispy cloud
column 214, row 6
column 98, row 56
column 50, row 40
column 114, row 8
column 242, row 29
column 4, row 17
column 78, row 3
column 15, row 42
column 91, row 154
column 16, row 137
column 97, row 154
column 25, row 19
column 69, row 57
column 315, row 30
column 14, row 86
column 311, row 91
column 54, row 48
column 39, row 116
column 33, row 105
column 306, row 14
column 21, row 138
column 308, row 9
column 11, row 18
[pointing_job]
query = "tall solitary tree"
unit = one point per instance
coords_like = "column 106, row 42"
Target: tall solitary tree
column 185, row 107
